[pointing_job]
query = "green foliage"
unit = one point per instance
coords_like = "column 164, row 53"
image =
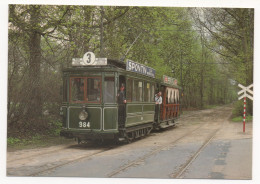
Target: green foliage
column 238, row 109
column 240, row 118
column 55, row 127
column 13, row 140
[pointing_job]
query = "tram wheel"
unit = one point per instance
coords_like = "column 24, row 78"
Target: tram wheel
column 129, row 139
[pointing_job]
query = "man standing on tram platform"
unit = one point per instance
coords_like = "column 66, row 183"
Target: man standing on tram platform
column 158, row 102
column 121, row 106
column 158, row 98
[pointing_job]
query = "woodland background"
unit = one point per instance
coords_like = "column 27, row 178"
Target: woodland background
column 209, row 51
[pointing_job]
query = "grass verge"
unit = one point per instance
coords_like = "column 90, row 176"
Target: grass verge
column 240, row 118
column 37, row 141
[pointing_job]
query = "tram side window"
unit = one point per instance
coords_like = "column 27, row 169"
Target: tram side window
column 135, row 87
column 93, row 89
column 129, row 89
column 77, row 89
column 174, row 96
column 152, row 92
column 147, row 92
column 167, row 96
column 109, row 91
column 170, row 96
column 138, row 91
column 178, row 97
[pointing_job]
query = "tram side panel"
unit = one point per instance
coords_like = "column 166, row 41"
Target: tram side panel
column 138, row 114
column 110, row 115
column 148, row 112
column 134, row 115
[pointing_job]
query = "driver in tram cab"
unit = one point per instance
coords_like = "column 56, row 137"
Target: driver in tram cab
column 158, row 102
column 121, row 106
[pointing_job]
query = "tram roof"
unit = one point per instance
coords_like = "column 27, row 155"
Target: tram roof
column 111, row 63
column 168, row 85
column 114, row 64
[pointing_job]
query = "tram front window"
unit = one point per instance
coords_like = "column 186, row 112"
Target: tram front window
column 77, row 89
column 93, row 89
column 85, row 89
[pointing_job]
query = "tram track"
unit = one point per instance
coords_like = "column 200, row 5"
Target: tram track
column 45, row 167
column 46, row 152
column 42, row 172
column 35, row 155
column 181, row 171
column 141, row 159
column 179, row 174
column 72, row 161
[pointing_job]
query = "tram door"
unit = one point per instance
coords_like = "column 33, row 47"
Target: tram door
column 121, row 96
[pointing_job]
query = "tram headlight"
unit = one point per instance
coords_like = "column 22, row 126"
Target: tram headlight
column 83, row 115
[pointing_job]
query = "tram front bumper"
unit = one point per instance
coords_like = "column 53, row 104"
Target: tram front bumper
column 88, row 135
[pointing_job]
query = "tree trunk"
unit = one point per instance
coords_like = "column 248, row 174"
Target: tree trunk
column 35, row 101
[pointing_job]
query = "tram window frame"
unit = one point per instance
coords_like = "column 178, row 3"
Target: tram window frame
column 85, row 88
column 129, row 89
column 174, row 96
column 146, row 91
column 178, row 96
column 138, row 91
column 99, row 87
column 106, row 89
column 171, row 96
column 71, row 87
column 152, row 92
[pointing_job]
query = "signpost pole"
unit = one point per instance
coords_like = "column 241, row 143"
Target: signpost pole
column 244, row 118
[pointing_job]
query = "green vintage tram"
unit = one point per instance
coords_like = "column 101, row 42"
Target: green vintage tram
column 90, row 100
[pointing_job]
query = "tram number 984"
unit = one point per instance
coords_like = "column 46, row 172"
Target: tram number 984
column 84, row 124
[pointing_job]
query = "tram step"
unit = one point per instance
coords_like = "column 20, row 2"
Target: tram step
column 121, row 139
column 167, row 125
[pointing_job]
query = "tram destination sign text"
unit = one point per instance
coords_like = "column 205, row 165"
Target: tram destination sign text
column 169, row 80
column 95, row 62
column 139, row 68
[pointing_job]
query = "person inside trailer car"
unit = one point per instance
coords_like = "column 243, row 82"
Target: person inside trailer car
column 158, row 98
column 158, row 102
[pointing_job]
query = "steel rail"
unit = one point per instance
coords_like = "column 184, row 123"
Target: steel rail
column 72, row 161
column 179, row 174
column 38, row 154
column 181, row 171
column 134, row 162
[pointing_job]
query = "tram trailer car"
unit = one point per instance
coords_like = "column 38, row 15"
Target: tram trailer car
column 90, row 100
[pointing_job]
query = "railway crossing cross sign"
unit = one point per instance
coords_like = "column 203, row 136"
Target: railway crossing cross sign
column 244, row 90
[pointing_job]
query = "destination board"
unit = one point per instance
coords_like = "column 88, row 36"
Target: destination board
column 88, row 59
column 139, row 68
column 169, row 80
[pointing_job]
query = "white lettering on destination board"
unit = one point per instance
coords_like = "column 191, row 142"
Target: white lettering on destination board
column 139, row 68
